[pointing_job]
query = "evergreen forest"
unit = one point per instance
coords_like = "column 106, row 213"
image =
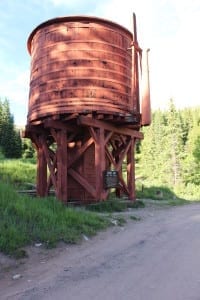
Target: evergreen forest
column 169, row 155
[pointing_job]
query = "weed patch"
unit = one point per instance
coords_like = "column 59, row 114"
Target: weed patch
column 134, row 218
column 17, row 172
column 26, row 220
column 114, row 205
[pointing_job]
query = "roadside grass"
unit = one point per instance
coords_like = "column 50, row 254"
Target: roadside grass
column 175, row 202
column 146, row 190
column 25, row 221
column 154, row 192
column 18, row 172
column 119, row 220
column 162, row 195
column 114, row 205
column 135, row 218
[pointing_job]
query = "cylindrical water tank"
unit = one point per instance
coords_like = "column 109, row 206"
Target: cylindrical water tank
column 79, row 64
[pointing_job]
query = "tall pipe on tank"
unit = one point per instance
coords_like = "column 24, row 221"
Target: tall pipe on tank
column 135, row 69
column 146, row 102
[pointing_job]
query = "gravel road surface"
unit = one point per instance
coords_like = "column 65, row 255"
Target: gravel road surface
column 154, row 258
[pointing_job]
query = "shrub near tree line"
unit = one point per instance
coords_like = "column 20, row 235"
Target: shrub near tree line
column 10, row 140
column 27, row 149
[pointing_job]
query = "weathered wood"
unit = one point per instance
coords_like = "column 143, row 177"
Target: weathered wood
column 135, row 76
column 99, row 162
column 108, row 137
column 146, row 102
column 41, row 172
column 102, row 145
column 80, row 152
column 51, row 166
column 59, row 125
column 90, row 189
column 123, row 184
column 84, row 111
column 131, row 171
column 85, row 121
column 62, row 165
column 93, row 134
column 79, row 68
column 41, row 178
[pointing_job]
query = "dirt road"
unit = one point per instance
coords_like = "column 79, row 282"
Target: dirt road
column 156, row 258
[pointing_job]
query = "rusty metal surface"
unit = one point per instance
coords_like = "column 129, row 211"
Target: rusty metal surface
column 79, row 64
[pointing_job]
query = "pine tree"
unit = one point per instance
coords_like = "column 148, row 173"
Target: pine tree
column 152, row 149
column 174, row 145
column 1, row 120
column 27, row 149
column 10, row 140
column 196, row 151
column 191, row 163
column 170, row 152
column 17, row 144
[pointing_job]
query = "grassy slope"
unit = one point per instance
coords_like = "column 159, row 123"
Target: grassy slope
column 25, row 220
column 18, row 172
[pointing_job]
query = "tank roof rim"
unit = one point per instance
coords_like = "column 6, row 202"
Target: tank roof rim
column 72, row 18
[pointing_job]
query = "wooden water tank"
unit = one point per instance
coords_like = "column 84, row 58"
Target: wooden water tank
column 79, row 64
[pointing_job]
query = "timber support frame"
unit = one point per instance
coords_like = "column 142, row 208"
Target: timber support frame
column 72, row 156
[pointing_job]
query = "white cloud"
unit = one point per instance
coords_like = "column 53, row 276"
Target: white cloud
column 170, row 28
column 121, row 12
column 75, row 4
column 65, row 2
column 15, row 89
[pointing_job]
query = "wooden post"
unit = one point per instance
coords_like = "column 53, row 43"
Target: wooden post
column 135, row 77
column 100, row 163
column 118, row 191
column 131, row 171
column 62, row 165
column 41, row 188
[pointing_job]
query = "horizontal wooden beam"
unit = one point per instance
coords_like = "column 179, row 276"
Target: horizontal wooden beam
column 59, row 125
column 85, row 121
column 31, row 129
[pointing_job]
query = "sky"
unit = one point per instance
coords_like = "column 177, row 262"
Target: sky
column 170, row 28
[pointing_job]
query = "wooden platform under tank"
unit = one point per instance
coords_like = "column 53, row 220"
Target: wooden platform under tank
column 74, row 153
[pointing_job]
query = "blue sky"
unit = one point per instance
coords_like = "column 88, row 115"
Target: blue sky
column 170, row 28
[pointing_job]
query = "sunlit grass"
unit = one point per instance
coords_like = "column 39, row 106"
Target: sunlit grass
column 17, row 172
column 115, row 205
column 26, row 220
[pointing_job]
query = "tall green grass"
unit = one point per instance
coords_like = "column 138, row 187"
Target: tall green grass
column 26, row 220
column 114, row 205
column 154, row 192
column 17, row 172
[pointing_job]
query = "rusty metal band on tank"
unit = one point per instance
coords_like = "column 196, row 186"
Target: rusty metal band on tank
column 85, row 67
